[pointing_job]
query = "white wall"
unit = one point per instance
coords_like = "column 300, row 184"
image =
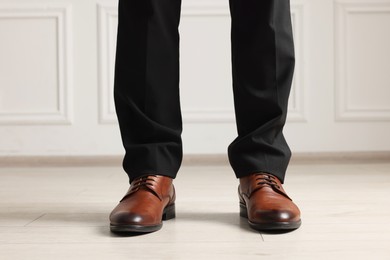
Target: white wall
column 56, row 75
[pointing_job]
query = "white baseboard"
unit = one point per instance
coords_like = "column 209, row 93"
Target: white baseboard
column 189, row 159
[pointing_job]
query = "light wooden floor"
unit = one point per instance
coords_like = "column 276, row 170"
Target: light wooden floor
column 62, row 213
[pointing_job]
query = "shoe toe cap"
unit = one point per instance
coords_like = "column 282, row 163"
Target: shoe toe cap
column 275, row 216
column 126, row 218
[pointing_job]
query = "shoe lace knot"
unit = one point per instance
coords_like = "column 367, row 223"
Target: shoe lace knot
column 146, row 182
column 266, row 179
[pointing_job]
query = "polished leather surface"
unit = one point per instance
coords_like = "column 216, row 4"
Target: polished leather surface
column 266, row 204
column 148, row 201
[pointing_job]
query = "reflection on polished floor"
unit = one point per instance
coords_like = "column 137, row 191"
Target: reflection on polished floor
column 62, row 213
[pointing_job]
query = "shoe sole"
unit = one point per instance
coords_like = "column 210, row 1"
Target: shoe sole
column 269, row 226
column 168, row 213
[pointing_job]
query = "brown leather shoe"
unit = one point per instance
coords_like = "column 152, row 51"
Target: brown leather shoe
column 265, row 203
column 149, row 200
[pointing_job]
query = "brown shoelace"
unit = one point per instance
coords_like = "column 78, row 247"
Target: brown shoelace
column 269, row 180
column 147, row 182
column 142, row 181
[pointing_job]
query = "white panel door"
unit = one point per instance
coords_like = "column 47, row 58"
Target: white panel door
column 57, row 69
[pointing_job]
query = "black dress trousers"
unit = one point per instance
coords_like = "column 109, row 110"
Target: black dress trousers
column 146, row 89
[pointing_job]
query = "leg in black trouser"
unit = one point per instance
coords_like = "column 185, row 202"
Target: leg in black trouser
column 146, row 88
column 147, row 85
column 262, row 69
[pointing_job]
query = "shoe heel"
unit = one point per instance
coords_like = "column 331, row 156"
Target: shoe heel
column 243, row 211
column 169, row 212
